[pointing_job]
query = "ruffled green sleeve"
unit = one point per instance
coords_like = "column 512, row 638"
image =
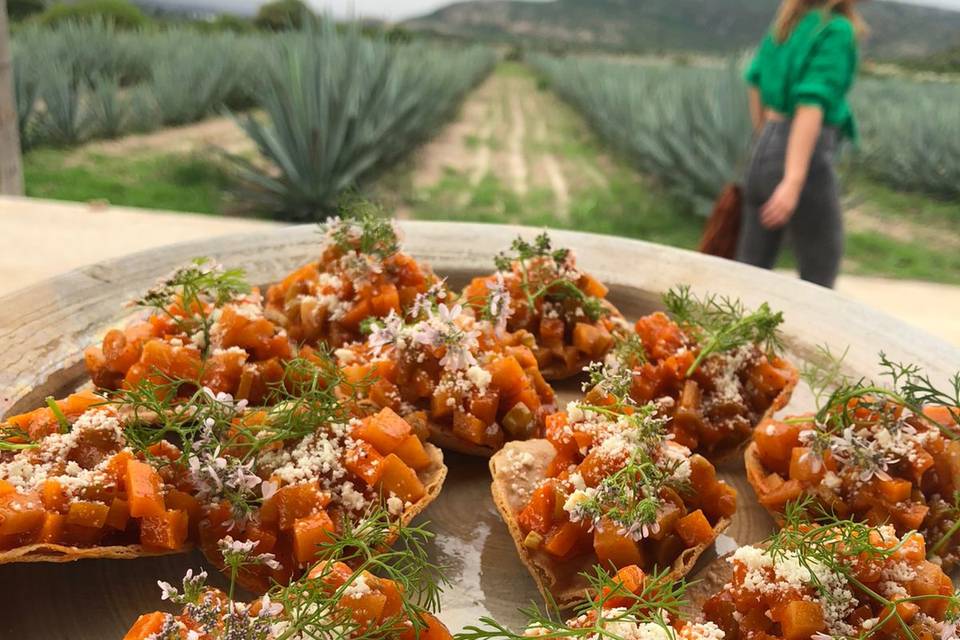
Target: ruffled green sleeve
column 752, row 75
column 830, row 70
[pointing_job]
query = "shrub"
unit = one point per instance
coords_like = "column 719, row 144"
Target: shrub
column 119, row 13
column 283, row 14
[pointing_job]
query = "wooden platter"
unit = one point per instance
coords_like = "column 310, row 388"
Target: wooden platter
column 44, row 328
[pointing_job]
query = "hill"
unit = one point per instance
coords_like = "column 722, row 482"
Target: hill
column 709, row 26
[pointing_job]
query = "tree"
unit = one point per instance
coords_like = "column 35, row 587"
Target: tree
column 282, row 14
column 11, row 170
column 23, row 9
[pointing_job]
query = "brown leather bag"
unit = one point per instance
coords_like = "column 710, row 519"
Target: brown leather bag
column 723, row 226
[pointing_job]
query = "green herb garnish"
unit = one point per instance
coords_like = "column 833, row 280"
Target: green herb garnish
column 720, row 324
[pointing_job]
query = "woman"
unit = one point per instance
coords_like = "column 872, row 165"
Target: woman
column 799, row 81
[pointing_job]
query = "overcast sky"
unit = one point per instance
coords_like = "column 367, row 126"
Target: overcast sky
column 399, row 9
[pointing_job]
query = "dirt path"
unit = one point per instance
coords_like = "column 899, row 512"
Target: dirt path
column 222, row 132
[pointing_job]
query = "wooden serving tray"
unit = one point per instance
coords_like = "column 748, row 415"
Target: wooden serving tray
column 44, row 329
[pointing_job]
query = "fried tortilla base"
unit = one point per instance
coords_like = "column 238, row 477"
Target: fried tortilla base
column 46, row 552
column 432, row 478
column 556, row 580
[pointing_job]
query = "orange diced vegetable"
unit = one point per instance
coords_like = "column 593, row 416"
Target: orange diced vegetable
column 119, row 514
column 775, row 442
column 386, row 300
column 805, row 467
column 88, row 514
column 364, row 461
column 386, row 430
column 143, row 485
column 800, row 619
column 52, row 529
column 166, row 531
column 295, row 501
column 412, row 452
column 399, row 479
column 6, row 487
column 147, row 626
column 694, row 529
column 20, row 513
column 894, row 490
column 567, row 540
column 468, row 427
column 613, row 549
column 537, row 515
column 506, row 375
column 53, row 496
column 591, row 339
column 309, row 533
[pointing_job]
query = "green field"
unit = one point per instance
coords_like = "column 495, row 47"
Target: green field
column 517, row 153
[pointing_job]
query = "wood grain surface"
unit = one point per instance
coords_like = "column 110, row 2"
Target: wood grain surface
column 44, row 328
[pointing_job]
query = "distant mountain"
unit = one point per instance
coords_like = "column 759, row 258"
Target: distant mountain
column 711, row 26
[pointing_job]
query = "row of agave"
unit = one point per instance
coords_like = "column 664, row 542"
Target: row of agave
column 327, row 108
column 690, row 126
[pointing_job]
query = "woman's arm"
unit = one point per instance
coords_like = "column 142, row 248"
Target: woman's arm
column 756, row 108
column 807, row 123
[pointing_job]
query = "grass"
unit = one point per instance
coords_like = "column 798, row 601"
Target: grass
column 874, row 254
column 177, row 182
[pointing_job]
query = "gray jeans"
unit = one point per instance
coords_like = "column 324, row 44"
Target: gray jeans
column 816, row 227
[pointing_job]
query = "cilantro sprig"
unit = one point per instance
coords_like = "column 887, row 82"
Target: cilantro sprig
column 720, row 324
column 197, row 288
column 363, row 227
column 540, row 268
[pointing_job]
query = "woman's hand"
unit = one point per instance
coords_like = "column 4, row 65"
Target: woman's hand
column 781, row 205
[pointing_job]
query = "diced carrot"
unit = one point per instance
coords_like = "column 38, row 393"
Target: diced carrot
column 694, row 529
column 551, row 331
column 613, row 549
column 294, row 501
column 166, row 531
column 309, row 533
column 364, row 461
column 805, row 467
column 775, row 442
column 537, row 515
column 567, row 540
column 52, row 529
column 484, row 406
column 930, row 580
column 87, row 514
column 356, row 314
column 182, row 501
column 144, row 485
column 470, row 428
column 387, row 299
column 386, row 430
column 433, row 630
column 147, row 626
column 366, row 608
column 412, row 452
column 894, row 490
column 786, row 492
column 800, row 619
column 6, row 487
column 506, row 375
column 399, row 479
column 591, row 339
column 909, row 516
column 630, row 580
column 119, row 514
column 117, row 468
column 53, row 496
column 20, row 513
column 942, row 414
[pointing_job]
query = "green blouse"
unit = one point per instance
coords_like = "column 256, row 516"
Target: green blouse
column 816, row 65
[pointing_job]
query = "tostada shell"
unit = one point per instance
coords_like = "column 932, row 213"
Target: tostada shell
column 560, row 582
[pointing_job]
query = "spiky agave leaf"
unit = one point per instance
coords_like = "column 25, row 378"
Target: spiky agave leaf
column 340, row 106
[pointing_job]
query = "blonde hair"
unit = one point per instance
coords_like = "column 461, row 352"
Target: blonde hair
column 792, row 10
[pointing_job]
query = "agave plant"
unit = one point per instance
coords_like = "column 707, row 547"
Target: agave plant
column 910, row 134
column 192, row 77
column 26, row 81
column 689, row 127
column 339, row 108
column 65, row 117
